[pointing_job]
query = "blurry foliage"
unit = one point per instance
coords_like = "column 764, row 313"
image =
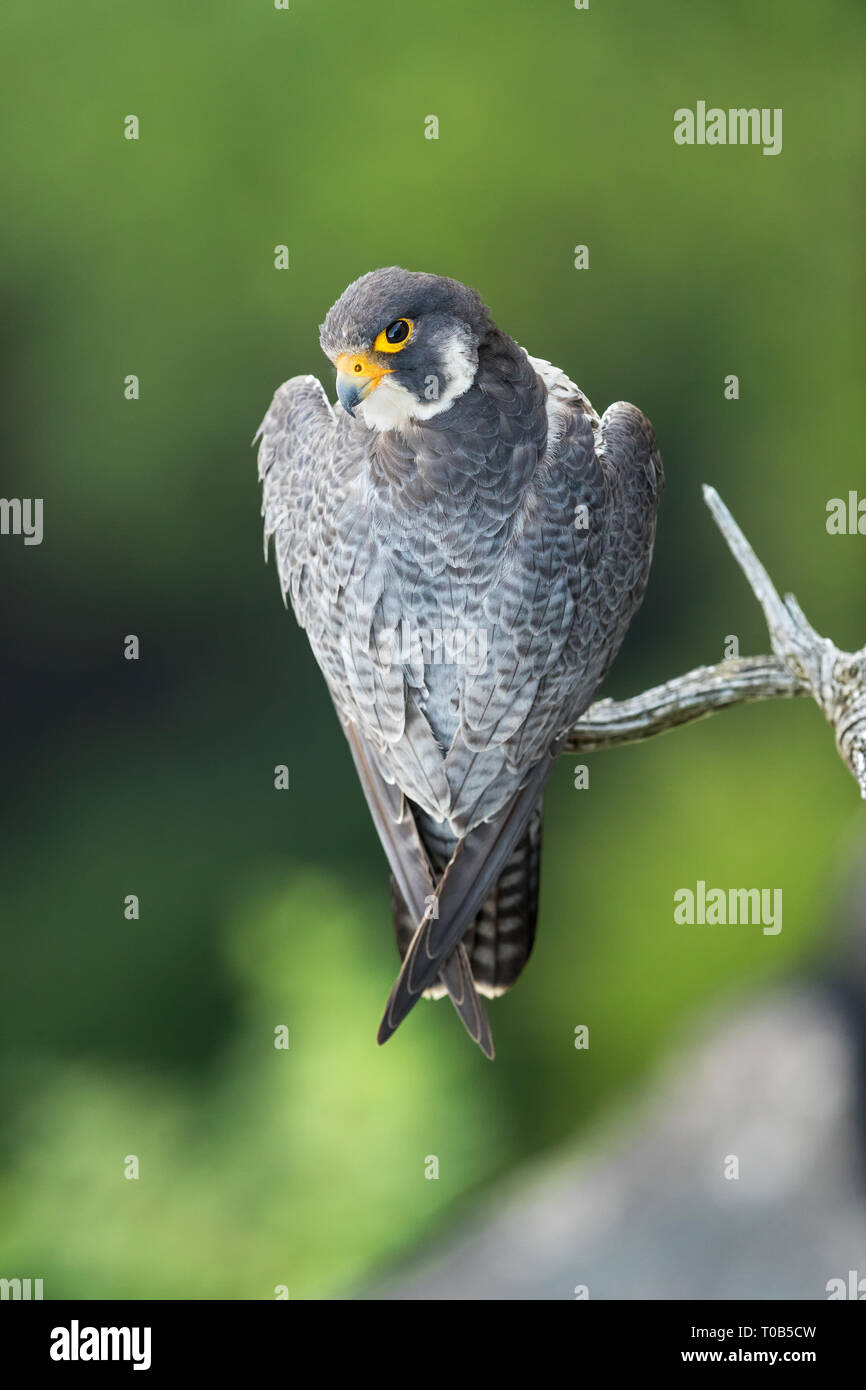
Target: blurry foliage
column 155, row 1037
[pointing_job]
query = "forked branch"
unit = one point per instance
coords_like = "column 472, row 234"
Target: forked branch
column 802, row 663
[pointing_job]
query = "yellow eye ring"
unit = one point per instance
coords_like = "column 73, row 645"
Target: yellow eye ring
column 395, row 337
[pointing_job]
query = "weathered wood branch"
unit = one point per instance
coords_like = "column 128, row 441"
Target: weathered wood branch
column 802, row 663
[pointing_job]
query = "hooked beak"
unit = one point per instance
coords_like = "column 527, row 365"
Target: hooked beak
column 356, row 378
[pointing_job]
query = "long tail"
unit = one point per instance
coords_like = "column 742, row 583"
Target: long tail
column 470, row 876
column 411, row 870
column 498, row 943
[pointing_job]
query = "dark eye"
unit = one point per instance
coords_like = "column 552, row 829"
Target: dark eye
column 394, row 337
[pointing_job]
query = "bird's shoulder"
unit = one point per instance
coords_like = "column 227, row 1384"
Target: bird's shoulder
column 561, row 389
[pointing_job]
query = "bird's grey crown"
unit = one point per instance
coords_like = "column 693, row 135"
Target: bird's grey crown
column 381, row 296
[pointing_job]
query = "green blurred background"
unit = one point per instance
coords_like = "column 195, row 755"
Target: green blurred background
column 155, row 1037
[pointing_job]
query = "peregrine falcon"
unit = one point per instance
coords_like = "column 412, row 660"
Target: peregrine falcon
column 465, row 543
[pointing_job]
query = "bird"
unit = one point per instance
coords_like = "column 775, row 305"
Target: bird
column 465, row 542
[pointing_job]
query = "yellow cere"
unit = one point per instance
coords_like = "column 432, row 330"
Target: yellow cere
column 361, row 367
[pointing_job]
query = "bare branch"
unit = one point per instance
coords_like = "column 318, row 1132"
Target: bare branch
column 683, row 700
column 803, row 663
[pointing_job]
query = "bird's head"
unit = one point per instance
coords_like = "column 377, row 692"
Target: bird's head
column 405, row 345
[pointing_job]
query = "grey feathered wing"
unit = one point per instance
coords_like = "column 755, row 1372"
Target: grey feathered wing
column 557, row 619
column 311, row 468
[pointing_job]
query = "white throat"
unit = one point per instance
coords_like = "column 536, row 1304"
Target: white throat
column 390, row 406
